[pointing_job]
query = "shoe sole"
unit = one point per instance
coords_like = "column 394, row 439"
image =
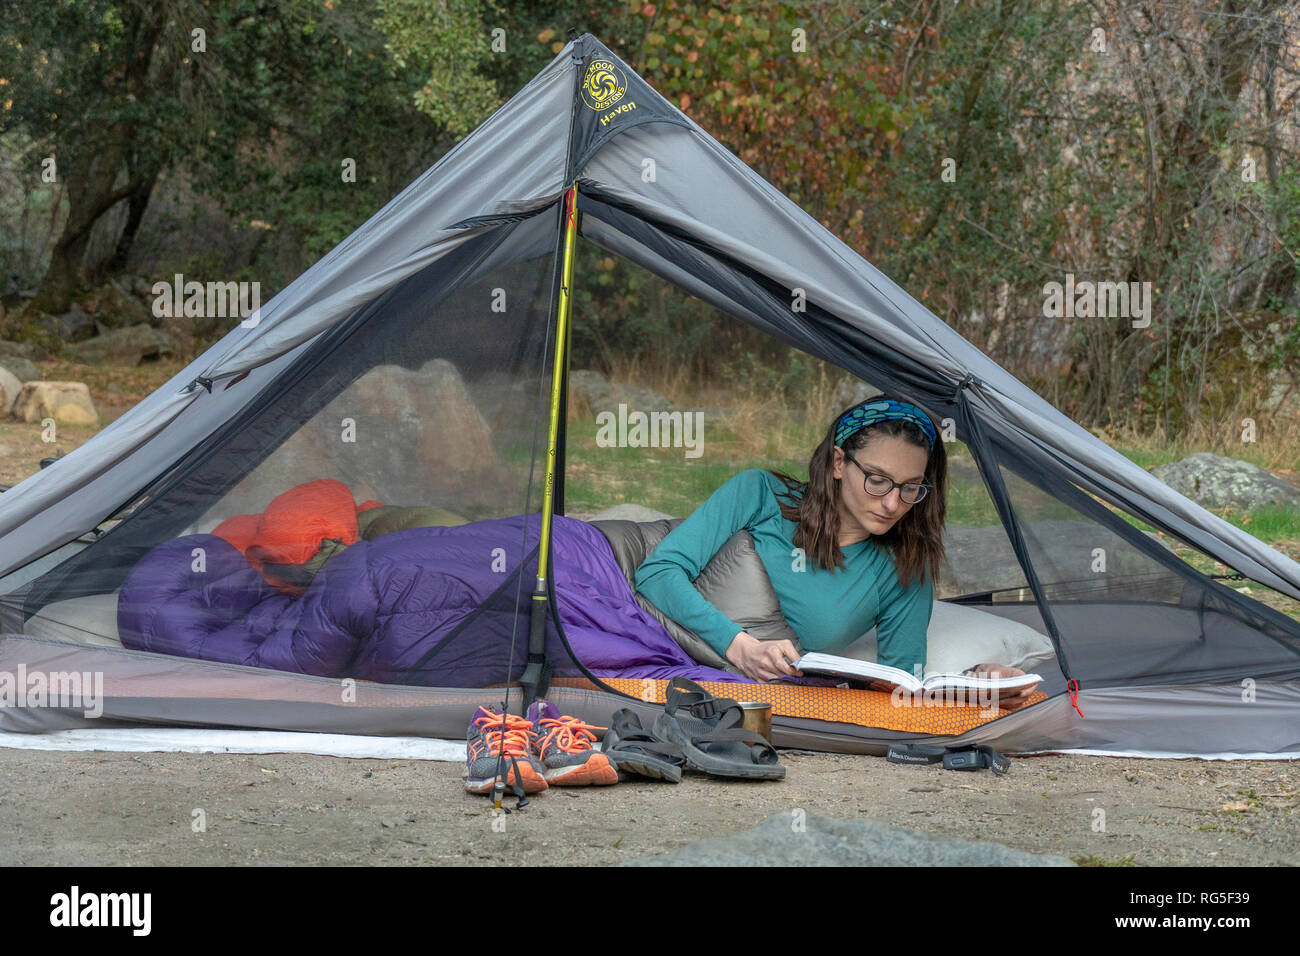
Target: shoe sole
column 533, row 782
column 596, row 772
column 655, row 769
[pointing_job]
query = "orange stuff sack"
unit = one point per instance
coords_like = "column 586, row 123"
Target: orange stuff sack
column 295, row 527
column 240, row 531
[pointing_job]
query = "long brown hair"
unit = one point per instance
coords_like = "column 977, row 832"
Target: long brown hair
column 915, row 542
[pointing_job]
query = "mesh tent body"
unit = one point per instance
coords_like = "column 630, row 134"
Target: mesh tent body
column 1164, row 660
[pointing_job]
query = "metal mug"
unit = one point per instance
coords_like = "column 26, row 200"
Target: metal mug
column 758, row 718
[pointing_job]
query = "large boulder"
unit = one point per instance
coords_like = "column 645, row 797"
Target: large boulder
column 35, row 335
column 398, row 436
column 113, row 307
column 1215, row 482
column 20, row 368
column 68, row 403
column 130, row 346
column 507, row 400
column 602, row 395
column 72, row 326
column 24, row 350
column 10, row 386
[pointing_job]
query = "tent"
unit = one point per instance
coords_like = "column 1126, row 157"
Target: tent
column 422, row 364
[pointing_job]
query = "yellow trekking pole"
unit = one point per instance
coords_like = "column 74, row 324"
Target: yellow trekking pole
column 533, row 675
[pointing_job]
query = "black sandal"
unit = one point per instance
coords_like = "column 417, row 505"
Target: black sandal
column 629, row 746
column 708, row 730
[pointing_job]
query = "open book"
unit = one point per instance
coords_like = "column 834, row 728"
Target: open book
column 871, row 671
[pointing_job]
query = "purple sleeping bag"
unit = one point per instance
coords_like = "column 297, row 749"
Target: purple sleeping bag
column 432, row 606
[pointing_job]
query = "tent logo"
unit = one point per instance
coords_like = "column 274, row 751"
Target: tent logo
column 604, row 85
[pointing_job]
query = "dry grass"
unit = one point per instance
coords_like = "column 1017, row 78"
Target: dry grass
column 761, row 423
column 1276, row 445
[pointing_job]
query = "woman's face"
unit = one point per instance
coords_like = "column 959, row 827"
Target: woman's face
column 863, row 514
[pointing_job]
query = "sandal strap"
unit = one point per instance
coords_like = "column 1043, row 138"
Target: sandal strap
column 688, row 695
column 727, row 729
column 727, row 714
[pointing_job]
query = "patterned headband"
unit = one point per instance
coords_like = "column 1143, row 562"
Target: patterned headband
column 878, row 410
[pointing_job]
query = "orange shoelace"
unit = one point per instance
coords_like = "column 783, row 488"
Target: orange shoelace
column 518, row 741
column 570, row 734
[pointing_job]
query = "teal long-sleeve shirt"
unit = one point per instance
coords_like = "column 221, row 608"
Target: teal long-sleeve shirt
column 827, row 608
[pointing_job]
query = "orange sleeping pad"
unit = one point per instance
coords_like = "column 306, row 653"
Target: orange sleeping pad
column 865, row 708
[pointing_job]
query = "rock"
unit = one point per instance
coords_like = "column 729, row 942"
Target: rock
column 783, row 840
column 1215, row 482
column 72, row 326
column 502, row 397
column 38, row 334
column 130, row 346
column 116, row 308
column 428, row 409
column 20, row 368
column 401, row 437
column 602, row 395
column 10, row 386
column 25, row 350
column 1283, row 397
column 68, row 403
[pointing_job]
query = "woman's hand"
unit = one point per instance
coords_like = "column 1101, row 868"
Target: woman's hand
column 1011, row 699
column 762, row 660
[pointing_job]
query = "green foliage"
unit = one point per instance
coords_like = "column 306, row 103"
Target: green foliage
column 626, row 314
column 446, row 43
column 330, row 98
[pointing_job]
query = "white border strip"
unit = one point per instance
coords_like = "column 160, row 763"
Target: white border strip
column 1155, row 755
column 185, row 740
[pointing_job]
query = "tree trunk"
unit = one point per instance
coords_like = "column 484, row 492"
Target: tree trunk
column 137, row 203
column 91, row 193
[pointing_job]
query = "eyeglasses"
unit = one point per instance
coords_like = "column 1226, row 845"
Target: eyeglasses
column 880, row 485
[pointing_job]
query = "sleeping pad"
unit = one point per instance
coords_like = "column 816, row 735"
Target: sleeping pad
column 436, row 606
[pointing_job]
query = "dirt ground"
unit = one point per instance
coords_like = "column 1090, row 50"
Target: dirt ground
column 59, row 808
column 113, row 389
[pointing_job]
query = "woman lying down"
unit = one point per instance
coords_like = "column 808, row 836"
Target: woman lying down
column 858, row 545
column 318, row 584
